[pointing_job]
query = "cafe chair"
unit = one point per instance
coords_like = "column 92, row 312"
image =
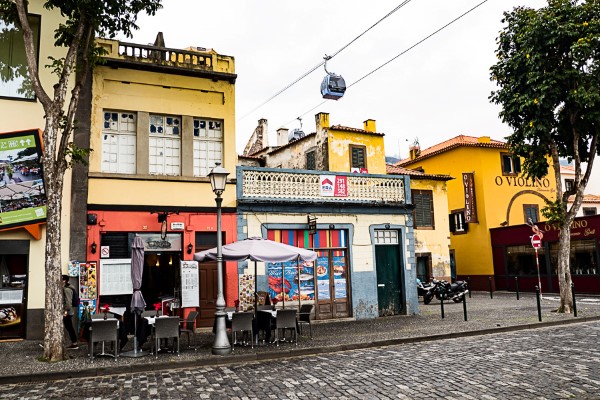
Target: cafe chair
column 150, row 313
column 264, row 307
column 166, row 328
column 188, row 327
column 304, row 317
column 286, row 319
column 104, row 331
column 264, row 324
column 242, row 322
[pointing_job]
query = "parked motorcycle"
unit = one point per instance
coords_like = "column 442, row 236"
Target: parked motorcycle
column 423, row 288
column 444, row 290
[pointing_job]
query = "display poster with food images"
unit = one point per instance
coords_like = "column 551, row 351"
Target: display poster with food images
column 88, row 287
column 282, row 280
column 73, row 269
column 10, row 319
column 339, row 277
column 246, row 286
column 323, row 278
column 306, row 280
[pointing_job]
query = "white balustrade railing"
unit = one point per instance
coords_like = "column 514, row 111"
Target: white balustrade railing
column 269, row 184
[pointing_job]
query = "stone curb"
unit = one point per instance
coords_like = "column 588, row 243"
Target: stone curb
column 272, row 355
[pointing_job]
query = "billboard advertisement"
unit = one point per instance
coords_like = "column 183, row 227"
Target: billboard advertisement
column 22, row 193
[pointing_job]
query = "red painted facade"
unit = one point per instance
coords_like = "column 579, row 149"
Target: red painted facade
column 585, row 240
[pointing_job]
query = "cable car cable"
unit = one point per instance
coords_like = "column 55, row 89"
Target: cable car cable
column 311, row 70
column 398, row 55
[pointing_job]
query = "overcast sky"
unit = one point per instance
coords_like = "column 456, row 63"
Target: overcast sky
column 434, row 92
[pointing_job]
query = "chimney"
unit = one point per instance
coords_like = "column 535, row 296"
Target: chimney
column 322, row 121
column 282, row 136
column 369, row 125
column 484, row 139
column 414, row 151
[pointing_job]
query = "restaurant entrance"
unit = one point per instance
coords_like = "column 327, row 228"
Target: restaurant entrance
column 13, row 281
column 162, row 276
column 332, row 284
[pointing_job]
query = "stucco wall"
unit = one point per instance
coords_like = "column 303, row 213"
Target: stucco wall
column 339, row 150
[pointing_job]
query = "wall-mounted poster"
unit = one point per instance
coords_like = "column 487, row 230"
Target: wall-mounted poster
column 88, row 285
column 323, row 278
column 190, row 284
column 22, row 192
column 246, row 285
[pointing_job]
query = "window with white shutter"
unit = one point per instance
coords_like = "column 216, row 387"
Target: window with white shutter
column 164, row 145
column 119, row 142
column 208, row 145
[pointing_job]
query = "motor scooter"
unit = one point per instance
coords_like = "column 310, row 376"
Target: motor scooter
column 444, row 290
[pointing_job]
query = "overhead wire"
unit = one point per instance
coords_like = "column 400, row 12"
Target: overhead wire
column 395, row 57
column 311, row 70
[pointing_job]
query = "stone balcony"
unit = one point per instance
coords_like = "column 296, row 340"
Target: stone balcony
column 191, row 61
column 273, row 185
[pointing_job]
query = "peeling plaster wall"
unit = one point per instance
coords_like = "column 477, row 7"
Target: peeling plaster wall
column 294, row 155
column 339, row 150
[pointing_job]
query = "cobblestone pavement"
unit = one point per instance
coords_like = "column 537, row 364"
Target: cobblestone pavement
column 546, row 363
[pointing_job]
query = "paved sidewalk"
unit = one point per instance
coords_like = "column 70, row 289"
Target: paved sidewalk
column 502, row 313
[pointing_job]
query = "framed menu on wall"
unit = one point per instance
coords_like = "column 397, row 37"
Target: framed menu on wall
column 190, row 284
column 115, row 277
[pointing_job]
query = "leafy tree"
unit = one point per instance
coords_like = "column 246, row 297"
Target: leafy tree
column 549, row 89
column 82, row 21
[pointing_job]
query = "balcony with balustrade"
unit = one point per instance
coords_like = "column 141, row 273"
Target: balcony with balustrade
column 257, row 185
column 190, row 62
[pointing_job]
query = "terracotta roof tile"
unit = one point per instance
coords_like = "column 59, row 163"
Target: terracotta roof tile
column 395, row 170
column 587, row 198
column 458, row 141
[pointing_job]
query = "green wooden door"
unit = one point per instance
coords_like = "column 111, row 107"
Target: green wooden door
column 389, row 279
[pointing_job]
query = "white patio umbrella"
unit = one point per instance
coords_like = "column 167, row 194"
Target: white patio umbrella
column 258, row 249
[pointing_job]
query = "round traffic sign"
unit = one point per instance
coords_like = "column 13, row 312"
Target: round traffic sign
column 536, row 241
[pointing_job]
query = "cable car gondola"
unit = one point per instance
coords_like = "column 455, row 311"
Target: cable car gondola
column 333, row 86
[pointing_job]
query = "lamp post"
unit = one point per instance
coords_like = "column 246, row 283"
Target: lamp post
column 218, row 179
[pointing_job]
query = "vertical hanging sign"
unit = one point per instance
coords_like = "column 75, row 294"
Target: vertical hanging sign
column 470, row 202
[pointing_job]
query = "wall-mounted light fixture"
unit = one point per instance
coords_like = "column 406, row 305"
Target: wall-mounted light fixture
column 93, row 248
column 190, row 247
column 387, row 226
column 331, row 226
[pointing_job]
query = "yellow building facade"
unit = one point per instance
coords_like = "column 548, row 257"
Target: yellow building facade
column 489, row 191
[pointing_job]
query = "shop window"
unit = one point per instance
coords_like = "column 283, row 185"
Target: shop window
column 511, row 165
column 457, row 222
column 358, row 158
column 119, row 243
column 208, row 145
column 423, row 212
column 118, row 142
column 311, row 162
column 165, row 145
column 569, row 183
column 588, row 211
column 15, row 82
column 531, row 212
column 521, row 260
column 582, row 257
column 386, row 236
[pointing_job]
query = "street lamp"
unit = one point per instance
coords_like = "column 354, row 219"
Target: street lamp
column 218, row 179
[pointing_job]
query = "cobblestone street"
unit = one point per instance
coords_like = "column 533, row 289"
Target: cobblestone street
column 546, row 363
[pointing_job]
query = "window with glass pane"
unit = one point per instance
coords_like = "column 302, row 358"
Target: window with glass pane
column 165, row 145
column 311, row 162
column 14, row 81
column 582, row 257
column 208, row 145
column 510, row 164
column 423, row 212
column 521, row 260
column 531, row 212
column 386, row 236
column 589, row 211
column 119, row 141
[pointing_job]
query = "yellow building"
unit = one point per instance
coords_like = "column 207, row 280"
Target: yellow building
column 489, row 191
column 22, row 246
column 160, row 119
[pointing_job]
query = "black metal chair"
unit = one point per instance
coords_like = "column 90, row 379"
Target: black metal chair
column 286, row 319
column 102, row 330
column 242, row 322
column 150, row 313
column 166, row 328
column 188, row 327
column 304, row 317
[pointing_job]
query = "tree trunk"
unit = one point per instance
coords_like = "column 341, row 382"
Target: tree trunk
column 564, row 270
column 54, row 349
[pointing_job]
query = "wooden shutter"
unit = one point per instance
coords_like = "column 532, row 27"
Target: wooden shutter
column 358, row 157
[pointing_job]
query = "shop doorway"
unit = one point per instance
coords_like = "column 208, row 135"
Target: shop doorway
column 162, row 276
column 390, row 279
column 13, row 303
column 424, row 267
column 208, row 279
column 332, row 284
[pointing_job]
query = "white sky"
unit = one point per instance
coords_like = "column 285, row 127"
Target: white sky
column 434, row 92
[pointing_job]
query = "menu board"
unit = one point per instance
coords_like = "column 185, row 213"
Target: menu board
column 115, row 277
column 323, row 278
column 190, row 284
column 246, row 285
column 11, row 296
column 88, row 288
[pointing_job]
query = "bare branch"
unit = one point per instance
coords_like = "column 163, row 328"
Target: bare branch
column 32, row 66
